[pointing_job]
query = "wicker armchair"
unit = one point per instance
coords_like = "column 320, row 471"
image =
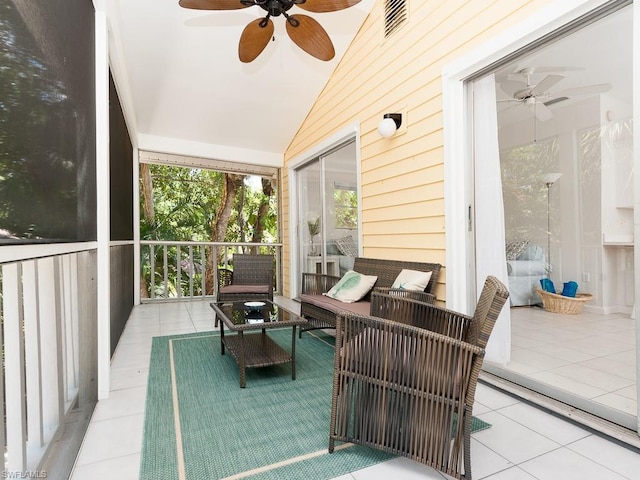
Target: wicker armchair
column 406, row 384
column 250, row 279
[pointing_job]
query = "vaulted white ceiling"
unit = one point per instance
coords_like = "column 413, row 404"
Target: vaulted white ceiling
column 177, row 72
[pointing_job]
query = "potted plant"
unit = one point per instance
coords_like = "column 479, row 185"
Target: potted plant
column 314, row 229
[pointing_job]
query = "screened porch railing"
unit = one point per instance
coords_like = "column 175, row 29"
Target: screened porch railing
column 48, row 332
column 187, row 270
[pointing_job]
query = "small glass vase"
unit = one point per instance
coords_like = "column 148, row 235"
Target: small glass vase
column 313, row 249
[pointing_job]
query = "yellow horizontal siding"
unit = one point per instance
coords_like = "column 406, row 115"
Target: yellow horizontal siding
column 417, row 253
column 408, row 167
column 402, row 177
column 403, row 226
column 410, row 197
column 412, row 211
column 405, row 241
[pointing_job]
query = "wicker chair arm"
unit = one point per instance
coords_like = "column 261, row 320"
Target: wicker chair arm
column 412, row 294
column 225, row 277
column 317, row 284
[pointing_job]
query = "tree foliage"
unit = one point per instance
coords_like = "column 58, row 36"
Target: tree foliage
column 203, row 206
column 524, row 190
column 185, row 202
column 38, row 158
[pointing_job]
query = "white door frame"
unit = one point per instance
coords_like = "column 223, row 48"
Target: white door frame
column 458, row 175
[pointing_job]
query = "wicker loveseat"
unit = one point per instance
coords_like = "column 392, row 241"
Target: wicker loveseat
column 321, row 311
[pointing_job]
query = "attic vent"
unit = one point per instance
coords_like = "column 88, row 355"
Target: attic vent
column 395, row 15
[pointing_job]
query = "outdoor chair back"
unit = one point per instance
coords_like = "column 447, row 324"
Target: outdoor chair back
column 251, row 278
column 405, row 384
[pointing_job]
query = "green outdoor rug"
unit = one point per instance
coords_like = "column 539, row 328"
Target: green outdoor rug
column 199, row 423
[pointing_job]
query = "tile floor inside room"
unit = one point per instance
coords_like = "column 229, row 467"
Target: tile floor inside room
column 524, row 442
column 590, row 355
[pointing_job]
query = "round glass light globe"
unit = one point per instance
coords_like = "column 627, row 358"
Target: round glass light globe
column 387, row 127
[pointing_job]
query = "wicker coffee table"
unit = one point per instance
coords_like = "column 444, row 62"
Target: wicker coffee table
column 251, row 346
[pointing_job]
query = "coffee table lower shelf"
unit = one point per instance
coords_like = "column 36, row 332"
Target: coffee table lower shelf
column 251, row 350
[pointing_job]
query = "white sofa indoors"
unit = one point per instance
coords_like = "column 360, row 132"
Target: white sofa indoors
column 525, row 268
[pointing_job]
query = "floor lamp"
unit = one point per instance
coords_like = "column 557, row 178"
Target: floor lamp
column 549, row 179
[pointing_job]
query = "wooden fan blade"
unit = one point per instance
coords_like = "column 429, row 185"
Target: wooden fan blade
column 212, row 4
column 311, row 37
column 322, row 6
column 254, row 39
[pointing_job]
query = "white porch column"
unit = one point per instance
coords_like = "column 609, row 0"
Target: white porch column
column 103, row 201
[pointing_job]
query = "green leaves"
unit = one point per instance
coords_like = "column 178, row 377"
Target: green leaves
column 185, row 204
column 185, row 201
column 314, row 226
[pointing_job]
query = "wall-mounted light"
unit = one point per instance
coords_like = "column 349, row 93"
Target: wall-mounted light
column 389, row 124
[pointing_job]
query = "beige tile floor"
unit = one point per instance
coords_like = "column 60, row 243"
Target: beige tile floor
column 588, row 354
column 524, row 442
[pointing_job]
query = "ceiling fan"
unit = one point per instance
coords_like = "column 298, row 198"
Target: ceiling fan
column 539, row 96
column 304, row 30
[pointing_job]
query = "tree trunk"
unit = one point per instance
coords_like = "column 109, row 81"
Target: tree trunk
column 263, row 211
column 147, row 192
column 219, row 225
column 240, row 210
column 148, row 211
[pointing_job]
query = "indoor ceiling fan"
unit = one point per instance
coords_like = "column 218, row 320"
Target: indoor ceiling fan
column 304, row 30
column 539, row 95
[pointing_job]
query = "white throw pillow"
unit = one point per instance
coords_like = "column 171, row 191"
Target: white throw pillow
column 412, row 280
column 352, row 287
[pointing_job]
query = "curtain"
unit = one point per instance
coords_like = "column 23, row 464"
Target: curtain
column 489, row 210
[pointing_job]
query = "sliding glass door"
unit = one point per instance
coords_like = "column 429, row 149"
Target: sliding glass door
column 327, row 211
column 310, row 200
column 565, row 147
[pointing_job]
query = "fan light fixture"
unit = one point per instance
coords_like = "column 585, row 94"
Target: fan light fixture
column 389, row 124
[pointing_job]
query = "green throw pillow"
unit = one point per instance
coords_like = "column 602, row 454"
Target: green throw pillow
column 352, row 287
